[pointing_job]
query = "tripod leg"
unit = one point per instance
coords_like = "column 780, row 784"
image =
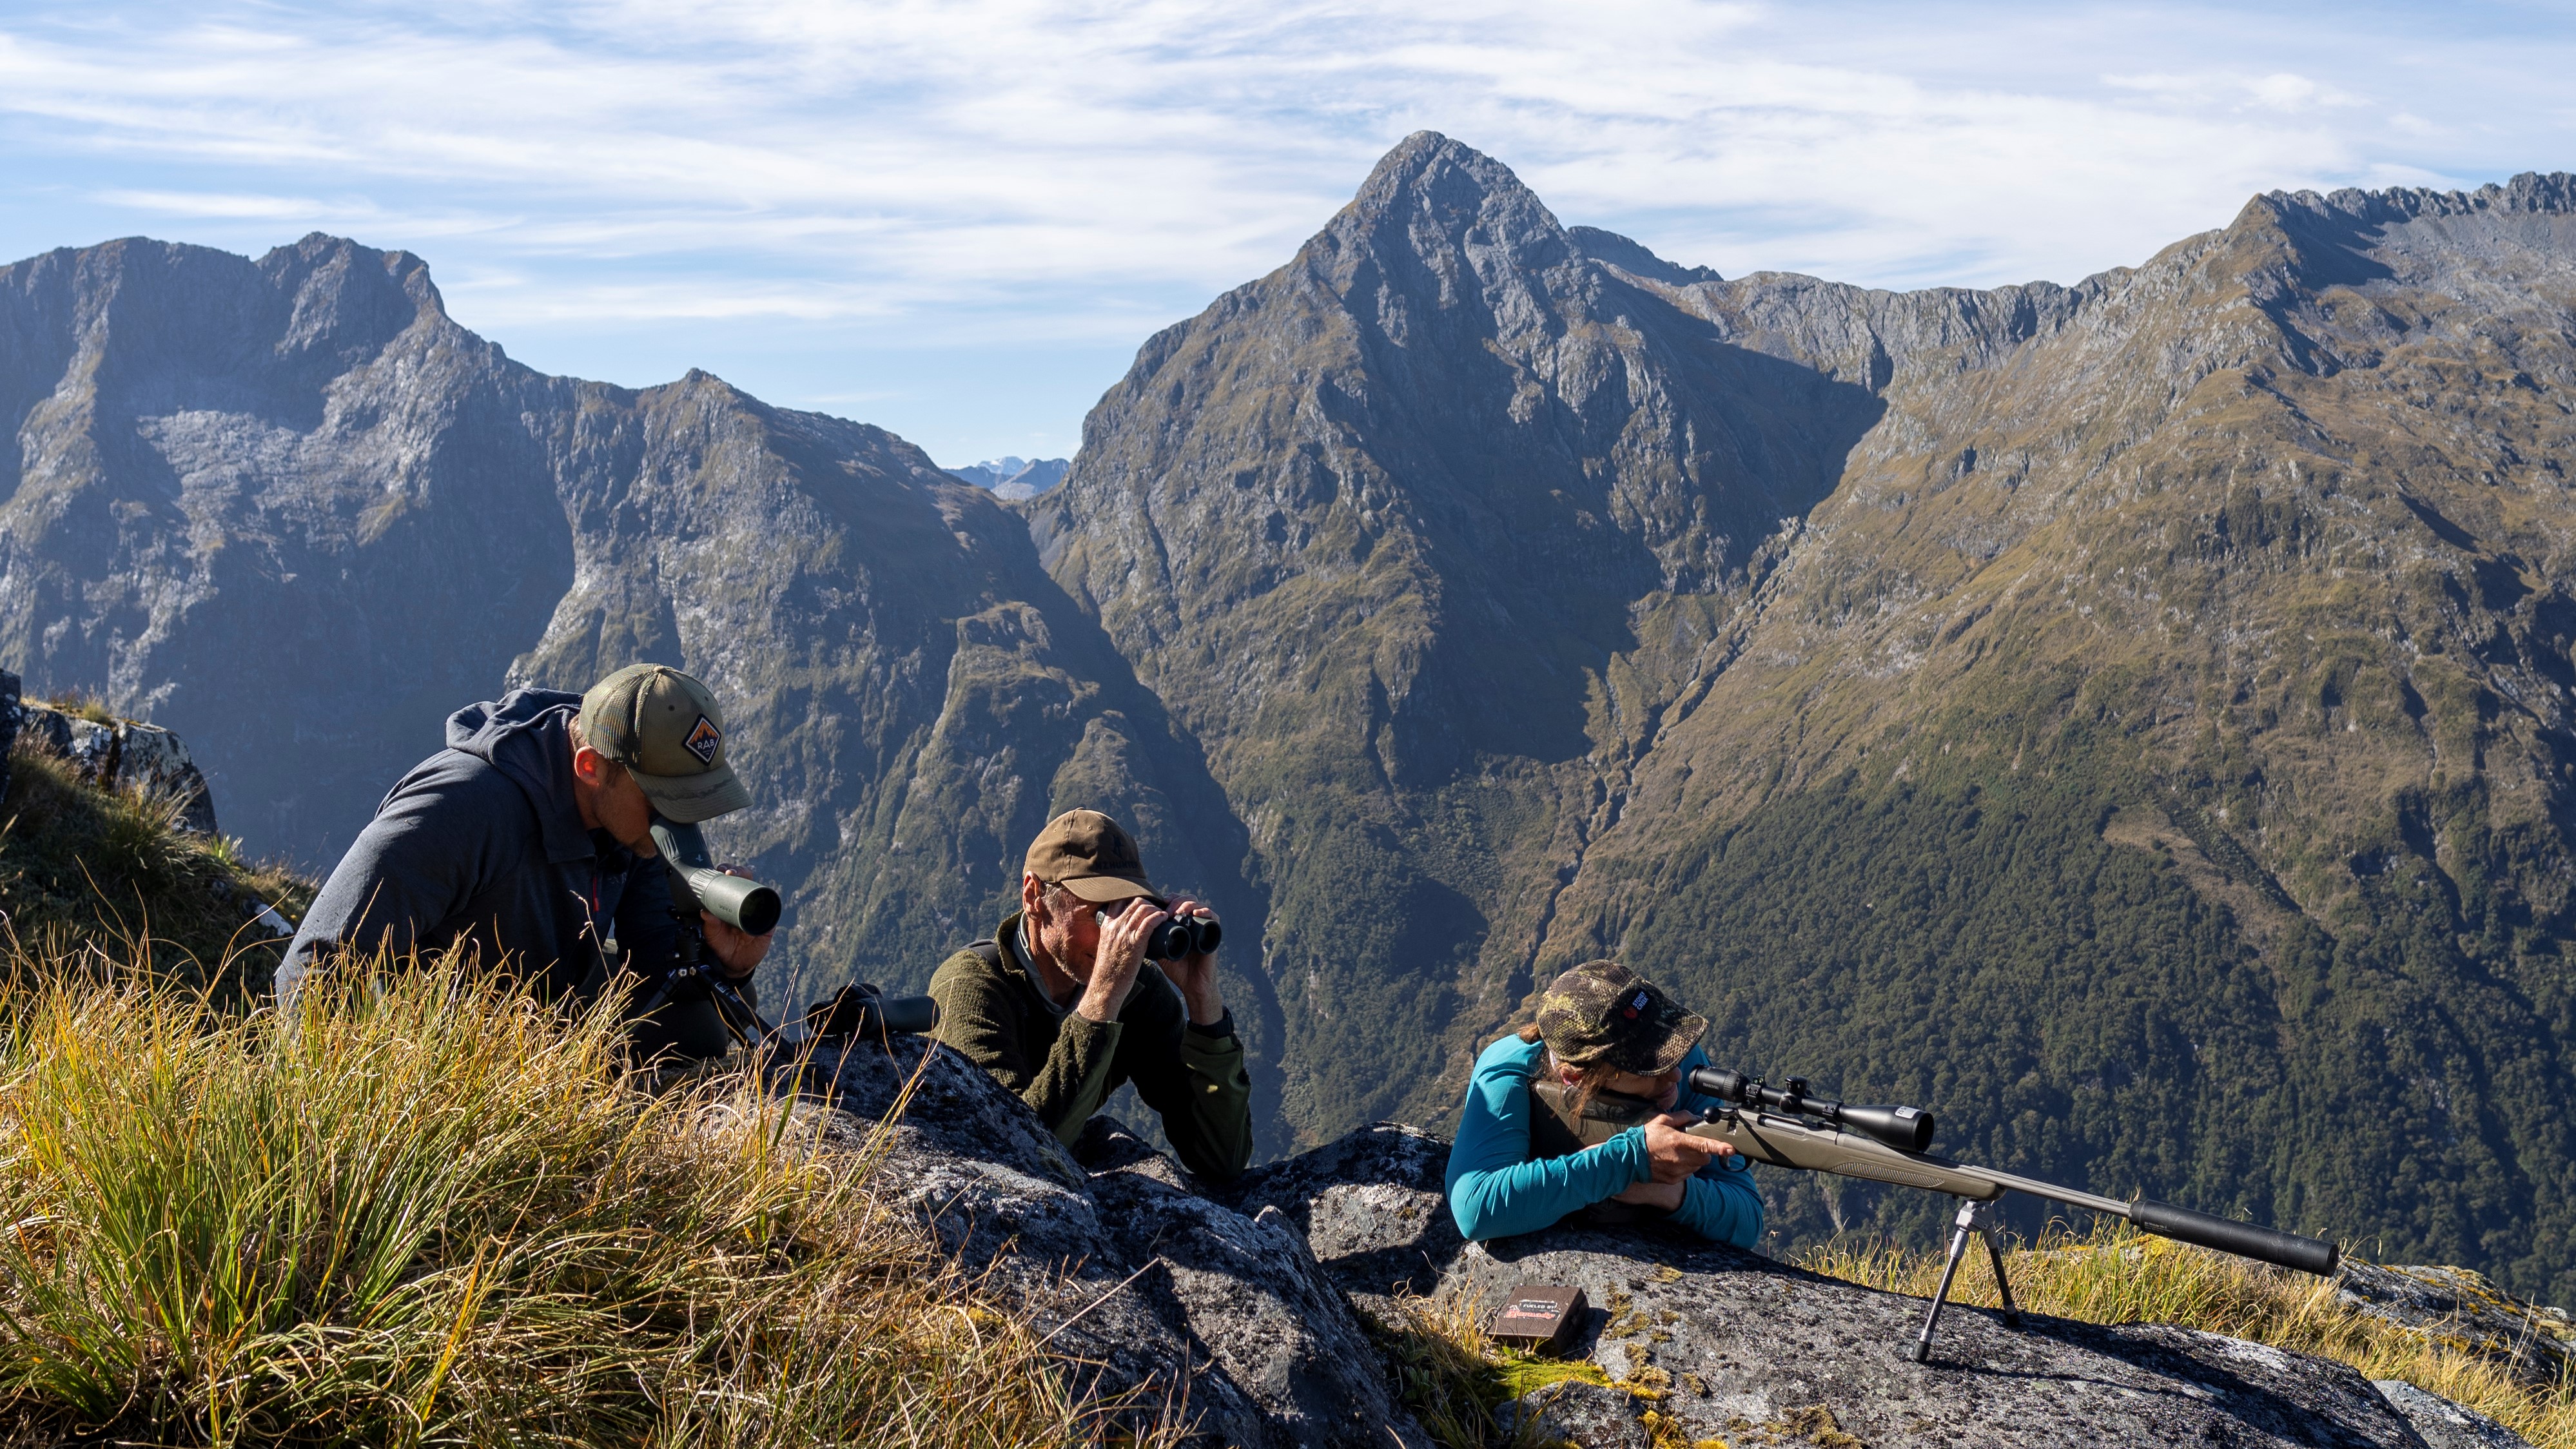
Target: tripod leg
column 1995, row 1256
column 1921, row 1351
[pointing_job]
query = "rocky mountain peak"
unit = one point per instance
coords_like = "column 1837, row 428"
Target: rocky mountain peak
column 348, row 298
column 1439, row 225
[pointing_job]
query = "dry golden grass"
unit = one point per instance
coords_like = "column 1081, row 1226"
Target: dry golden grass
column 434, row 1212
column 1454, row 1378
column 2115, row 1274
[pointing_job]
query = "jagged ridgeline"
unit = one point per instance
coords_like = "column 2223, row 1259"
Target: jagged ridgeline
column 2128, row 718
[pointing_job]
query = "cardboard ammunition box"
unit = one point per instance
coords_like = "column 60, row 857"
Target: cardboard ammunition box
column 1538, row 1317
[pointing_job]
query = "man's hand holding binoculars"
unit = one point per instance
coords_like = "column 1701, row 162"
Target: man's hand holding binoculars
column 1124, row 940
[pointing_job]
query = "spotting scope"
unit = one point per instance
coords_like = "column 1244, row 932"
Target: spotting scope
column 745, row 904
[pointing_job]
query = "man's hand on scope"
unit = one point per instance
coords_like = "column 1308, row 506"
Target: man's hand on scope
column 1673, row 1153
column 1120, row 954
column 737, row 950
column 1195, row 974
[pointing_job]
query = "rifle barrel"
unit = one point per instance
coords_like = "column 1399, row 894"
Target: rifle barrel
column 2089, row 1201
column 2245, row 1240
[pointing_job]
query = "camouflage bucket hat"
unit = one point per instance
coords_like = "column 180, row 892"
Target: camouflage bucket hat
column 1603, row 1014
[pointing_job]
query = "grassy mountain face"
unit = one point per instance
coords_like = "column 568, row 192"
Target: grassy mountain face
column 2159, row 745
column 2129, row 718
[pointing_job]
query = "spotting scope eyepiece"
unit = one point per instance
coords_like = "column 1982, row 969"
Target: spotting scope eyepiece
column 1907, row 1128
column 860, row 1009
column 744, row 904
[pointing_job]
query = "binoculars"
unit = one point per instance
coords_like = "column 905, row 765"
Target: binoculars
column 747, row 905
column 1182, row 936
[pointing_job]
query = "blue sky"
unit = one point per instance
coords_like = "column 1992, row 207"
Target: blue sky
column 958, row 220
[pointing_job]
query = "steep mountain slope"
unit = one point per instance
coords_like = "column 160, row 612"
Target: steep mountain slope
column 290, row 509
column 1376, row 527
column 235, row 492
column 2130, row 716
column 2232, row 597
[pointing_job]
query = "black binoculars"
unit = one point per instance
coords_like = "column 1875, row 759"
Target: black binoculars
column 1182, row 936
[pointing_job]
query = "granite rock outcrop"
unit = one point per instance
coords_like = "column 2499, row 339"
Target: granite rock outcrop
column 1246, row 1306
column 1189, row 1310
column 123, row 754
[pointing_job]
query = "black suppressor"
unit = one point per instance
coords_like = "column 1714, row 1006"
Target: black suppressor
column 1906, row 1128
column 1182, row 936
column 2246, row 1240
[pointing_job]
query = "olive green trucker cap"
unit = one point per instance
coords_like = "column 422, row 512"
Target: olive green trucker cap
column 664, row 727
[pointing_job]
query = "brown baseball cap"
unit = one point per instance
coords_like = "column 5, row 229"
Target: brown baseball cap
column 664, row 727
column 1088, row 854
column 1603, row 1014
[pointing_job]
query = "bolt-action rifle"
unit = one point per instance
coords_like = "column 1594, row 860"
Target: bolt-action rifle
column 1786, row 1127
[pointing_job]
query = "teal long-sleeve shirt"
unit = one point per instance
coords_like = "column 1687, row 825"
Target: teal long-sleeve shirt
column 1496, row 1190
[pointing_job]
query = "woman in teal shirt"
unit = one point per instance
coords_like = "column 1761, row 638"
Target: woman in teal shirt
column 1600, row 1028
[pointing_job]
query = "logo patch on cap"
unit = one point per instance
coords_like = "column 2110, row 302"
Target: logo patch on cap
column 704, row 741
column 1636, row 1003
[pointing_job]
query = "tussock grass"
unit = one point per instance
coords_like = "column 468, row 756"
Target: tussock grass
column 2114, row 1274
column 435, row 1212
column 107, row 876
column 82, row 706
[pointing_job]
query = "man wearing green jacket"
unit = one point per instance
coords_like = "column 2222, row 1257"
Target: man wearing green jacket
column 1060, row 1007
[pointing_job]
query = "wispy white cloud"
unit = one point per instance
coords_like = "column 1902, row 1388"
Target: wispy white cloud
column 971, row 172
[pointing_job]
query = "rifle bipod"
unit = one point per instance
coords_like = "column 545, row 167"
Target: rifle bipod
column 1971, row 1219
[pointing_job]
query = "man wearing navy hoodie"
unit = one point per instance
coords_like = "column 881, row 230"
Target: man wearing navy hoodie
column 528, row 842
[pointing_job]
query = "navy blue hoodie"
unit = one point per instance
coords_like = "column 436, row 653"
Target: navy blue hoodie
column 482, row 843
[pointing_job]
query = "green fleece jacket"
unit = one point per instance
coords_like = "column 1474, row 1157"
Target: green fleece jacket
column 1065, row 1065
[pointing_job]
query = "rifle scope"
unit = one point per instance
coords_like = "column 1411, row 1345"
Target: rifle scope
column 747, row 905
column 1906, row 1128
